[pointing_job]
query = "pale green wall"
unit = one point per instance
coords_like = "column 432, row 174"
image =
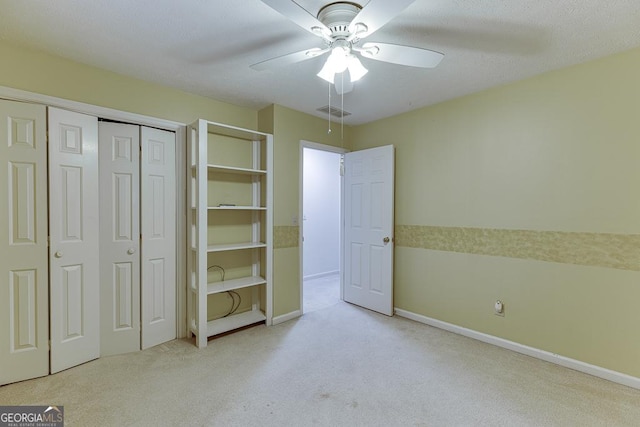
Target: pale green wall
column 46, row 74
column 557, row 155
column 558, row 152
column 38, row 72
column 288, row 128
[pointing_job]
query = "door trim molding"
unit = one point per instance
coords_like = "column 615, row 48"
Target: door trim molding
column 322, row 147
column 596, row 371
column 81, row 107
column 181, row 162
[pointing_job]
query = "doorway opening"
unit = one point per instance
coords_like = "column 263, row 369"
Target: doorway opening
column 320, row 226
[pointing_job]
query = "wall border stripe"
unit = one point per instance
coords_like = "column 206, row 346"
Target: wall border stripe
column 286, row 236
column 619, row 251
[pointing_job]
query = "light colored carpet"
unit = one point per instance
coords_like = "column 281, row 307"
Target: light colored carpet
column 321, row 292
column 339, row 366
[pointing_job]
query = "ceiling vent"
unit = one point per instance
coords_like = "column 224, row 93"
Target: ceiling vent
column 335, row 112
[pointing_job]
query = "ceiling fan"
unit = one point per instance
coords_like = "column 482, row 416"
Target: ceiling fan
column 343, row 26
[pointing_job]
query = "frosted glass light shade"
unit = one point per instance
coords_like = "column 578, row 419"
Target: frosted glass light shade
column 356, row 69
column 338, row 62
column 327, row 73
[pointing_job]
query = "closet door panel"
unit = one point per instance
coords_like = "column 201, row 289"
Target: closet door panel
column 119, row 238
column 24, row 311
column 158, row 204
column 74, row 247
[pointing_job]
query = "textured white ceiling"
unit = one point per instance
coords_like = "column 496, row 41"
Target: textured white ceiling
column 206, row 47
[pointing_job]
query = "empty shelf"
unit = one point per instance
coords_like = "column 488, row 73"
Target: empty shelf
column 235, row 246
column 229, row 285
column 235, row 321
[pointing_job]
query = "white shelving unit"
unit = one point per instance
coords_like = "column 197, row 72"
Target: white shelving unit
column 230, row 223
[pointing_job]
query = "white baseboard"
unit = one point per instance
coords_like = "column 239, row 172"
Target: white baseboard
column 596, row 371
column 319, row 275
column 286, row 317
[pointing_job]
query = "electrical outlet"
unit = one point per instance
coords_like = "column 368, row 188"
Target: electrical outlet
column 498, row 308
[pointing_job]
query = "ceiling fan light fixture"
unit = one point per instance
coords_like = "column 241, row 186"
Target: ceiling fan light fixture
column 356, row 69
column 337, row 62
column 353, row 64
column 339, row 58
column 327, row 73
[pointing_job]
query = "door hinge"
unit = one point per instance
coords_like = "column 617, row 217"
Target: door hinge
column 341, row 165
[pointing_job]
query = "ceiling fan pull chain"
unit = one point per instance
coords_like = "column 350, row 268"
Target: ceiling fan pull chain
column 329, row 109
column 342, row 109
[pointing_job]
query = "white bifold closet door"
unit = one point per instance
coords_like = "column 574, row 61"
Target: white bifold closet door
column 137, row 237
column 106, row 283
column 24, row 299
column 158, row 212
column 74, row 267
column 119, row 238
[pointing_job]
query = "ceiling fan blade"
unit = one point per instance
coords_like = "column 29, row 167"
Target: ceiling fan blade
column 377, row 13
column 343, row 83
column 288, row 59
column 402, row 55
column 298, row 15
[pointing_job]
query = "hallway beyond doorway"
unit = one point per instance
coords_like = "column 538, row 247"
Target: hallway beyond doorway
column 321, row 292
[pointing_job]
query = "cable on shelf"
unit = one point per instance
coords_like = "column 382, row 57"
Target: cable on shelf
column 232, row 294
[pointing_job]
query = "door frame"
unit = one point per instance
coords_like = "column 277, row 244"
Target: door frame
column 180, row 130
column 332, row 149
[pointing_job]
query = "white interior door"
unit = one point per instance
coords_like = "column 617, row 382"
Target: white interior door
column 24, row 300
column 158, row 210
column 119, row 154
column 368, row 228
column 74, row 239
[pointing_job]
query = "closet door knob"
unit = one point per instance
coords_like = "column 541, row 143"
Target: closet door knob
column 131, row 251
column 58, row 254
column 385, row 240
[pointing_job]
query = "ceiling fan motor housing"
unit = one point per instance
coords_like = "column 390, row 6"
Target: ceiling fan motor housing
column 337, row 17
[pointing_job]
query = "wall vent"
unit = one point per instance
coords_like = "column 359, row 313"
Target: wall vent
column 335, row 112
